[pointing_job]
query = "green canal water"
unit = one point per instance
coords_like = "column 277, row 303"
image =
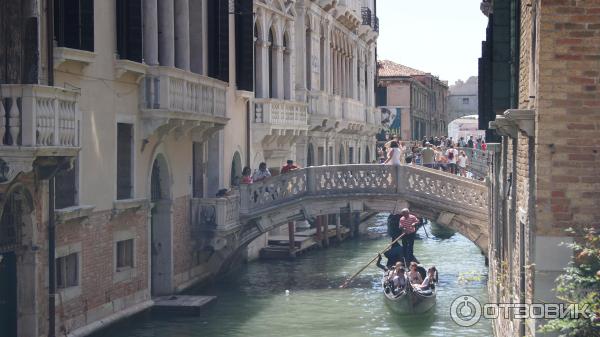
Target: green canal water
column 253, row 301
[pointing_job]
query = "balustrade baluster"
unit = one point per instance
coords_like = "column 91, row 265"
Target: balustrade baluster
column 2, row 121
column 14, row 120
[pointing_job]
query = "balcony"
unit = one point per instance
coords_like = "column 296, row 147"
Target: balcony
column 277, row 124
column 36, row 121
column 213, row 219
column 181, row 101
column 370, row 22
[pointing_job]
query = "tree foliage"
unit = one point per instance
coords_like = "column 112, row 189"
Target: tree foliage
column 580, row 284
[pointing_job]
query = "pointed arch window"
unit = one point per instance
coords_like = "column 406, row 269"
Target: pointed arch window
column 287, row 90
column 271, row 65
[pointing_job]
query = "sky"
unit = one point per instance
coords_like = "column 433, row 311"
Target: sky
column 442, row 37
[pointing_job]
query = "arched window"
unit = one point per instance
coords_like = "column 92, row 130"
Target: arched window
column 256, row 63
column 236, row 169
column 308, row 59
column 310, row 156
column 322, row 61
column 271, row 65
column 287, row 81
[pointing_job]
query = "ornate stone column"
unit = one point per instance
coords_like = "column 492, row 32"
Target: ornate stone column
column 262, row 69
column 182, row 34
column 300, row 42
column 354, row 77
column 166, row 33
column 278, row 60
column 150, row 10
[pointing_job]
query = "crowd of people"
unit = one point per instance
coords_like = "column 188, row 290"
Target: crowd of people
column 262, row 173
column 437, row 153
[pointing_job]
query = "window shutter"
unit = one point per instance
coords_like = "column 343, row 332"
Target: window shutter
column 124, row 156
column 223, row 40
column 87, row 24
column 129, row 29
column 244, row 48
column 66, row 188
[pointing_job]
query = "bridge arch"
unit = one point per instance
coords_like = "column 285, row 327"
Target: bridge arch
column 455, row 202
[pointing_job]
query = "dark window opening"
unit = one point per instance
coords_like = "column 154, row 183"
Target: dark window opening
column 74, row 24
column 66, row 187
column 198, row 169
column 129, row 30
column 124, row 254
column 124, row 160
column 67, row 271
column 218, row 39
column 244, row 44
column 271, row 65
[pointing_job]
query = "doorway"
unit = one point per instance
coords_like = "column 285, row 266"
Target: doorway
column 161, row 263
column 8, row 294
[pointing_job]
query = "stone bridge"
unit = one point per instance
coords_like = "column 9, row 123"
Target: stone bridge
column 456, row 202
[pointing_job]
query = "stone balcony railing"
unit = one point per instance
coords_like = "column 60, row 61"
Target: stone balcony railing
column 174, row 100
column 37, row 116
column 353, row 110
column 479, row 161
column 280, row 112
column 190, row 95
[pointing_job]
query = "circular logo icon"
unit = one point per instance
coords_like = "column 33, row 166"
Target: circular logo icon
column 465, row 311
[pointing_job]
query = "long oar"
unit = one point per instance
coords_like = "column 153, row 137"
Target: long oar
column 347, row 283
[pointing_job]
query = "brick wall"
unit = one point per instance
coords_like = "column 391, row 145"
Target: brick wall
column 568, row 140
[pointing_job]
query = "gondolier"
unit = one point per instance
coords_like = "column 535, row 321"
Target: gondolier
column 408, row 223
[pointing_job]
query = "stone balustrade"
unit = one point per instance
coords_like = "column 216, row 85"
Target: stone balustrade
column 214, row 214
column 406, row 182
column 280, row 112
column 175, row 90
column 353, row 110
column 38, row 116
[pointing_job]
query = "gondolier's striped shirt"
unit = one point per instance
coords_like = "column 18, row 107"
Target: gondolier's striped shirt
column 407, row 223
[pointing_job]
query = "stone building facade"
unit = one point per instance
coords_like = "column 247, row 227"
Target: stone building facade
column 546, row 166
column 314, row 78
column 463, row 98
column 412, row 101
column 121, row 120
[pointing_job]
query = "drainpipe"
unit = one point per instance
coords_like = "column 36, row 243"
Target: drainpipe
column 51, row 224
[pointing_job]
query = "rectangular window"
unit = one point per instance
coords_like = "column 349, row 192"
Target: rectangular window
column 124, row 254
column 124, row 160
column 129, row 30
column 66, row 187
column 198, row 169
column 67, row 271
column 74, row 24
column 466, row 100
column 218, row 39
column 350, row 155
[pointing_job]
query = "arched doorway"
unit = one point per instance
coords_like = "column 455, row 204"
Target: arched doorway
column 17, row 266
column 161, row 232
column 310, row 156
column 236, row 169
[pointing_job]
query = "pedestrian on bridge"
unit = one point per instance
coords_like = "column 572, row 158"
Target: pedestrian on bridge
column 408, row 223
column 395, row 155
column 289, row 167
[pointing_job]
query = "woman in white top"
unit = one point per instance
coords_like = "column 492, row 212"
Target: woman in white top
column 461, row 161
column 394, row 155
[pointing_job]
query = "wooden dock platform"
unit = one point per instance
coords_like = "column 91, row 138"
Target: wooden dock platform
column 184, row 303
column 278, row 246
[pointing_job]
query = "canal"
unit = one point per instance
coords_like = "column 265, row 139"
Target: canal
column 253, row 302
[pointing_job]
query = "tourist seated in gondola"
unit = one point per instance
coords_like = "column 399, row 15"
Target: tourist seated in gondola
column 414, row 277
column 399, row 280
column 429, row 282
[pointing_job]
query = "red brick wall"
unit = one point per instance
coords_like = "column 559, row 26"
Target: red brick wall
column 568, row 140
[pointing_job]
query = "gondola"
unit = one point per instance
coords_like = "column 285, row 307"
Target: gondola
column 409, row 300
